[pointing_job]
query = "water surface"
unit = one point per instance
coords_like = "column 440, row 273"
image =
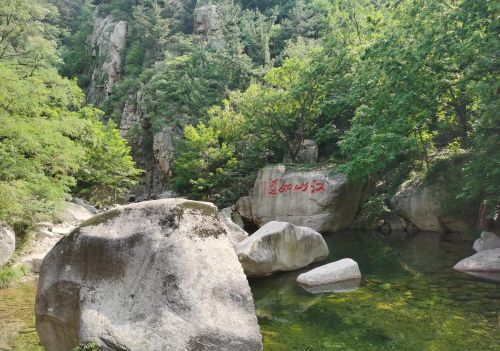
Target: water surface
column 410, row 298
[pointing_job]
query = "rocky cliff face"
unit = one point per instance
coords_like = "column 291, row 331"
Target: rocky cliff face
column 108, row 46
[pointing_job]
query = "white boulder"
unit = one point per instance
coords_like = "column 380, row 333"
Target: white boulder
column 280, row 246
column 342, row 270
column 483, row 261
column 487, row 241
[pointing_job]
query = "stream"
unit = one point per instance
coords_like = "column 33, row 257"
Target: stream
column 410, row 299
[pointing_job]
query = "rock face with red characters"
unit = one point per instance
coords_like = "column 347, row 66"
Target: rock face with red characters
column 317, row 199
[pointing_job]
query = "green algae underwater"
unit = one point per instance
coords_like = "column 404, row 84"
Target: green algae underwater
column 410, row 299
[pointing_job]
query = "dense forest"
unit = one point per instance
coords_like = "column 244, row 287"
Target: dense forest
column 389, row 89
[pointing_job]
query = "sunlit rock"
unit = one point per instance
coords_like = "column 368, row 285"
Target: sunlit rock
column 328, row 277
column 152, row 276
column 280, row 246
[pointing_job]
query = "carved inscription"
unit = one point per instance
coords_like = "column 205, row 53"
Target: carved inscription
column 278, row 186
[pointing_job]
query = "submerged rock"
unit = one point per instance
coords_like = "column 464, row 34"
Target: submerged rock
column 484, row 263
column 7, row 243
column 152, row 276
column 312, row 198
column 487, row 241
column 343, row 270
column 280, row 246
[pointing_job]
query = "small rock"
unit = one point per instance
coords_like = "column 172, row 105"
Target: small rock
column 44, row 234
column 487, row 241
column 244, row 207
column 337, row 287
column 63, row 229
column 280, row 246
column 7, row 243
column 45, row 225
column 344, row 269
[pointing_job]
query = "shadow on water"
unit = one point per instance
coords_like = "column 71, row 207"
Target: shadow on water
column 410, row 298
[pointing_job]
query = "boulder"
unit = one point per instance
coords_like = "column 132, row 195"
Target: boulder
column 280, row 246
column 233, row 216
column 7, row 243
column 344, row 269
column 313, row 198
column 85, row 204
column 425, row 207
column 150, row 276
column 483, row 263
column 244, row 207
column 308, row 152
column 236, row 233
column 71, row 213
column 487, row 241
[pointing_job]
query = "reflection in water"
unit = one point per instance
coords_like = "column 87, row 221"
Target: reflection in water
column 410, row 299
column 336, row 287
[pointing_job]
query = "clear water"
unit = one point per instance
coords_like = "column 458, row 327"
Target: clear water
column 410, row 299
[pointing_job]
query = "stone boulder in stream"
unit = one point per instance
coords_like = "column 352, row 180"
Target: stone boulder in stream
column 280, row 246
column 152, row 276
column 485, row 264
column 311, row 198
column 7, row 243
column 344, row 269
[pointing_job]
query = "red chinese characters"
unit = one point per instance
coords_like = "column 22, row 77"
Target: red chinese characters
column 280, row 187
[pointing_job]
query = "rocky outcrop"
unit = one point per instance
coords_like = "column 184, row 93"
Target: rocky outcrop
column 313, row 198
column 163, row 149
column 7, row 243
column 206, row 20
column 393, row 223
column 280, row 246
column 157, row 275
column 108, row 44
column 425, row 207
column 487, row 241
column 344, row 269
column 308, row 152
column 485, row 263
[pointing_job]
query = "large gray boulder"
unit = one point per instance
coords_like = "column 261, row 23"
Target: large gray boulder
column 315, row 199
column 280, row 246
column 152, row 276
column 344, row 269
column 7, row 243
column 425, row 207
column 487, row 241
column 485, row 263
